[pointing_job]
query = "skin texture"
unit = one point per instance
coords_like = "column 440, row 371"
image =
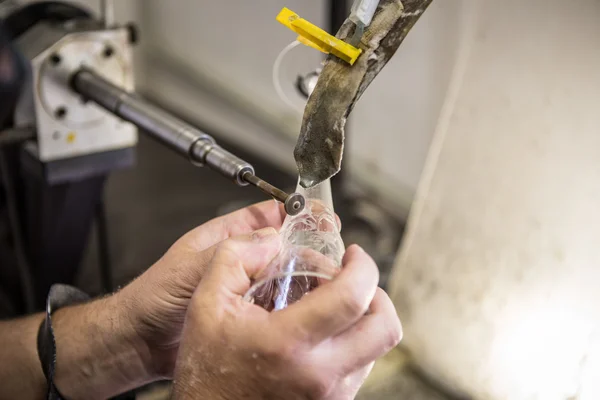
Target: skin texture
column 320, row 146
column 228, row 349
column 160, row 304
column 122, row 341
column 232, row 349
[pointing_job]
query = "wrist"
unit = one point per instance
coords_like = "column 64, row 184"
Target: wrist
column 98, row 354
column 130, row 347
column 21, row 376
column 127, row 317
column 155, row 324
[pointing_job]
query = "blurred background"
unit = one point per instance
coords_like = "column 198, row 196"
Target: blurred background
column 211, row 64
column 472, row 173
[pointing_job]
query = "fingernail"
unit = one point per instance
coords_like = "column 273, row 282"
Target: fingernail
column 263, row 234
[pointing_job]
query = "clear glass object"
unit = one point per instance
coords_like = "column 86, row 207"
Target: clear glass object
column 311, row 253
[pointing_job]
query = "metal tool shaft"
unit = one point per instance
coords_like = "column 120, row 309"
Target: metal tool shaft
column 161, row 125
column 180, row 136
column 293, row 203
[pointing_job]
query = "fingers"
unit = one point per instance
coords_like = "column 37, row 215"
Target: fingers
column 261, row 215
column 269, row 213
column 237, row 260
column 381, row 326
column 332, row 308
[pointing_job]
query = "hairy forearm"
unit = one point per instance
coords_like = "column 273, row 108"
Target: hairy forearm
column 99, row 354
column 20, row 371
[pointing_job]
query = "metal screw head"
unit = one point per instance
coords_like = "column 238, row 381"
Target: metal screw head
column 60, row 112
column 55, row 59
column 108, row 52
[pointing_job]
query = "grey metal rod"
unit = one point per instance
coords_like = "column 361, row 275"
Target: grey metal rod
column 294, row 203
column 180, row 136
column 163, row 126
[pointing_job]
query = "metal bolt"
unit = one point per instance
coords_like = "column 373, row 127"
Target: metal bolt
column 55, row 59
column 60, row 113
column 108, row 52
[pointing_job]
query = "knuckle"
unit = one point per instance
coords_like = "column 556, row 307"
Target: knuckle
column 291, row 351
column 393, row 334
column 353, row 302
column 321, row 387
column 226, row 247
column 370, row 264
column 283, row 349
column 375, row 269
column 225, row 254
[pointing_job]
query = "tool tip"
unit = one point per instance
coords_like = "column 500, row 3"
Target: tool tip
column 294, row 204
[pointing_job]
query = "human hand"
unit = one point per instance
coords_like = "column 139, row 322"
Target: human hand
column 156, row 302
column 321, row 347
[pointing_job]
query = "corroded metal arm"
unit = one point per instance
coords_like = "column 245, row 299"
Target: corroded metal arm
column 320, row 145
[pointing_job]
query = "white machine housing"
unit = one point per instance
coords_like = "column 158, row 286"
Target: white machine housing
column 66, row 125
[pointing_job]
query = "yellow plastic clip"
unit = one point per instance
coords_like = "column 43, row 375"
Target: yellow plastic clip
column 315, row 37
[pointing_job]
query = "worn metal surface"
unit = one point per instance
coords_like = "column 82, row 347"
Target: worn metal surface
column 319, row 149
column 497, row 281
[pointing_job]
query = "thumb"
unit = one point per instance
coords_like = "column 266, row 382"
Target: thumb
column 237, row 260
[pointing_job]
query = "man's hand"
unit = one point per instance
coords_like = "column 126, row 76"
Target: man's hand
column 157, row 301
column 321, row 347
column 131, row 338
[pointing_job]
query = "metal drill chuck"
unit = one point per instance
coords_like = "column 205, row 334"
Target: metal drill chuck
column 215, row 157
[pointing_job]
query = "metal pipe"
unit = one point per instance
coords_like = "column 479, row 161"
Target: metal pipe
column 161, row 125
column 180, row 136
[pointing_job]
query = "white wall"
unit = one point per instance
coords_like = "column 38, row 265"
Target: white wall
column 392, row 125
column 497, row 281
column 213, row 59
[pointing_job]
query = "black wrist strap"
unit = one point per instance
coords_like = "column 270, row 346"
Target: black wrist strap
column 58, row 297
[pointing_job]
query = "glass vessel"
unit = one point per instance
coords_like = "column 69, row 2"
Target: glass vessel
column 311, row 253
